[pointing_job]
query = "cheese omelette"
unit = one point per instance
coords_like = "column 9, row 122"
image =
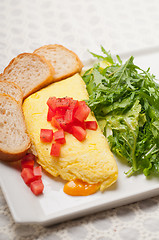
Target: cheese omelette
column 91, row 160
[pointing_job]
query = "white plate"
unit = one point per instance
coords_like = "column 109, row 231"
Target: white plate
column 54, row 205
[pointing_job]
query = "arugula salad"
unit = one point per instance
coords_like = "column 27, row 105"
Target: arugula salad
column 125, row 99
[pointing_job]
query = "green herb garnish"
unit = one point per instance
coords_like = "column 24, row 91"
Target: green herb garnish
column 125, row 99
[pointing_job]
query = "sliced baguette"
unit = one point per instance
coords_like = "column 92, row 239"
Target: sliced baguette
column 14, row 140
column 11, row 89
column 30, row 71
column 65, row 62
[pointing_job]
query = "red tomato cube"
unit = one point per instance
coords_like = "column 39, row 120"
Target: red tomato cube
column 51, row 102
column 74, row 104
column 27, row 164
column 60, row 112
column 28, row 161
column 79, row 133
column 92, row 125
column 29, row 156
column 62, row 123
column 61, row 141
column 55, row 149
column 82, row 111
column 69, row 116
column 79, row 123
column 27, row 175
column 37, row 187
column 62, row 102
column 68, row 128
column 37, row 171
column 55, row 123
column 59, row 136
column 50, row 114
column 46, row 135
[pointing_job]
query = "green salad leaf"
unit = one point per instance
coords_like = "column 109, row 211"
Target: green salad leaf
column 125, row 99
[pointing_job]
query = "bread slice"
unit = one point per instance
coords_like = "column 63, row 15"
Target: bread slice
column 30, row 71
column 11, row 89
column 65, row 62
column 14, row 140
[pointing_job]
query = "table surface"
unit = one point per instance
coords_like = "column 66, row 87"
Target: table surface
column 120, row 26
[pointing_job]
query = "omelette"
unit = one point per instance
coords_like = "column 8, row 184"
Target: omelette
column 89, row 161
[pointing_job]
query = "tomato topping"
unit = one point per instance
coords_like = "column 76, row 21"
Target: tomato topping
column 27, row 164
column 37, row 187
column 46, row 135
column 61, row 141
column 50, row 114
column 82, row 112
column 32, row 175
column 69, row 115
column 28, row 161
column 62, row 102
column 37, row 171
column 51, row 102
column 27, row 175
column 55, row 149
column 62, row 123
column 92, row 125
column 59, row 136
column 55, row 123
column 79, row 123
column 79, row 133
column 29, row 156
column 68, row 128
column 60, row 112
column 74, row 104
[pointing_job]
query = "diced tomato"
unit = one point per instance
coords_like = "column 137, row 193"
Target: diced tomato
column 55, row 149
column 59, row 136
column 46, row 135
column 69, row 115
column 55, row 123
column 92, row 125
column 37, row 187
column 61, row 141
column 82, row 111
column 27, row 164
column 68, row 128
column 60, row 112
column 37, row 171
column 62, row 123
column 79, row 123
column 51, row 102
column 74, row 104
column 29, row 156
column 79, row 133
column 62, row 102
column 50, row 114
column 28, row 161
column 27, row 175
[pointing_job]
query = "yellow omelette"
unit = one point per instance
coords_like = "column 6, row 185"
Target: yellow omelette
column 91, row 160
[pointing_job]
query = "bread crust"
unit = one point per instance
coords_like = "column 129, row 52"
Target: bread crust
column 77, row 68
column 46, row 81
column 11, row 157
column 17, row 86
column 14, row 156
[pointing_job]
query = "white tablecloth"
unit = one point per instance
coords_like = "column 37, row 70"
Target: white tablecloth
column 120, row 26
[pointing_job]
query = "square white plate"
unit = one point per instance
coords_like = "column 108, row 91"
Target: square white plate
column 54, row 205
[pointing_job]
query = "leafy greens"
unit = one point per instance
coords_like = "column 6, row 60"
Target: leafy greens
column 125, row 99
